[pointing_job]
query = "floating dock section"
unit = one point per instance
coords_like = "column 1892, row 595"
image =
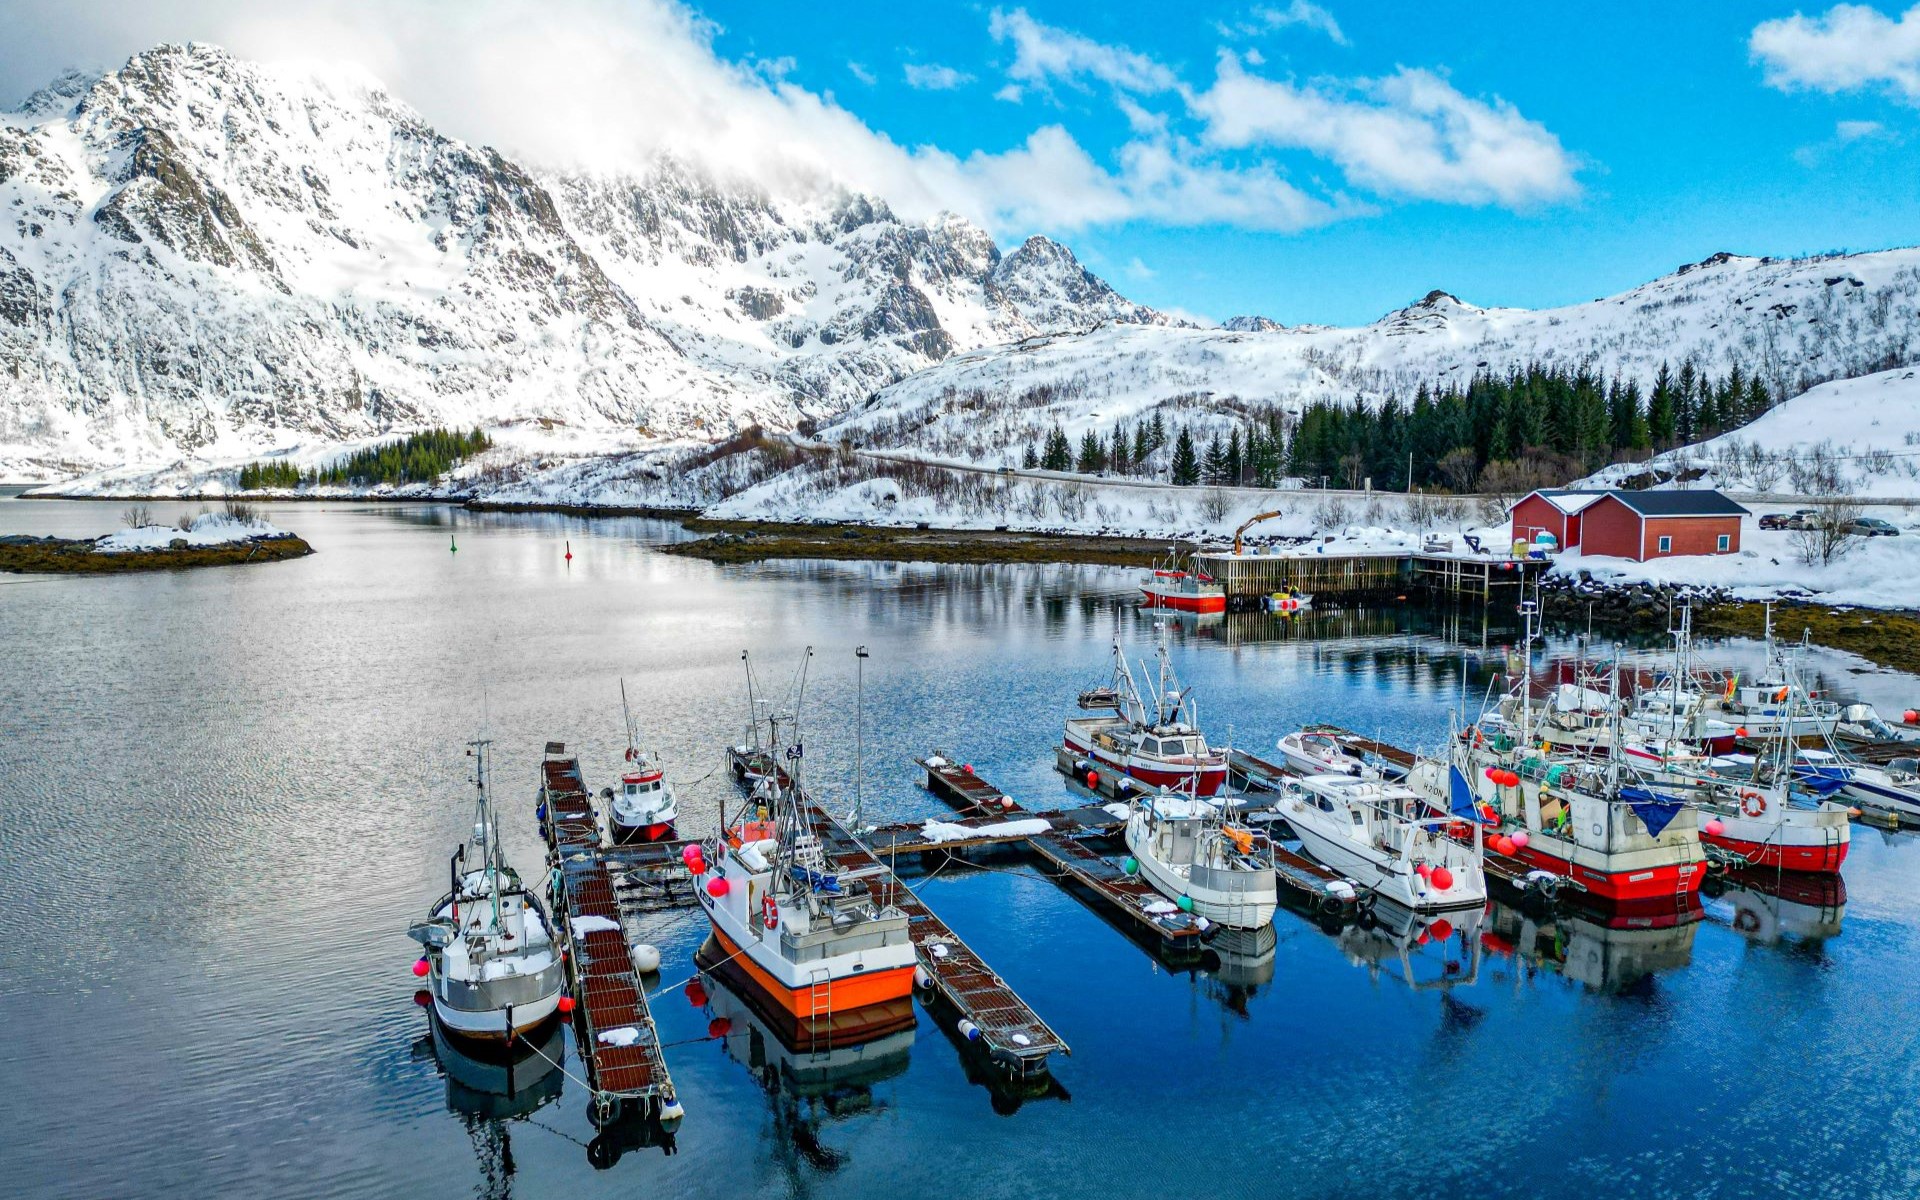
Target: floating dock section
column 628, row 1072
column 988, row 1011
column 1141, row 910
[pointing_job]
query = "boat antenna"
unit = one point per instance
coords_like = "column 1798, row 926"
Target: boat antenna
column 633, row 734
column 483, row 826
column 859, row 733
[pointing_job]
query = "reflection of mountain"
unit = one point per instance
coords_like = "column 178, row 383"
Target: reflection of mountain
column 1767, row 907
column 488, row 1093
column 1610, row 953
column 811, row 1085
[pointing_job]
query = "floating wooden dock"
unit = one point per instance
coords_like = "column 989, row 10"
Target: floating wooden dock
column 1176, row 935
column 601, row 978
column 988, row 1010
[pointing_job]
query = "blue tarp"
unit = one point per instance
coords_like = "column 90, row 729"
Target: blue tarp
column 1460, row 793
column 1657, row 812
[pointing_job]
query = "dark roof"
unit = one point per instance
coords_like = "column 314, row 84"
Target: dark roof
column 1707, row 503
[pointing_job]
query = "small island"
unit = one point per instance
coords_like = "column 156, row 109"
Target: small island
column 210, row 539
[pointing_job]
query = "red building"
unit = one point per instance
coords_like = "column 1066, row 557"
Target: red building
column 1635, row 525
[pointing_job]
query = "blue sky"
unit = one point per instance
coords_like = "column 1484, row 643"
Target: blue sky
column 1677, row 143
column 1309, row 160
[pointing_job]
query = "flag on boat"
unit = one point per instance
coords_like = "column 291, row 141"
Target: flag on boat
column 1656, row 812
column 1460, row 795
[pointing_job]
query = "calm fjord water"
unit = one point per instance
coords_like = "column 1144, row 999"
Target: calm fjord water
column 225, row 793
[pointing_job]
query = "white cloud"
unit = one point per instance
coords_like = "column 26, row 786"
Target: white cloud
column 862, row 74
column 1858, row 131
column 1303, row 14
column 1848, row 48
column 932, row 77
column 1845, row 134
column 1139, row 270
column 1043, row 55
column 1408, row 134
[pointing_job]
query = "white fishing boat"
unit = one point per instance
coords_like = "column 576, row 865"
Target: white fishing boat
column 1776, row 704
column 1894, row 787
column 1193, row 856
column 489, row 956
column 1152, row 737
column 1386, row 838
column 1318, row 752
column 643, row 809
column 808, row 936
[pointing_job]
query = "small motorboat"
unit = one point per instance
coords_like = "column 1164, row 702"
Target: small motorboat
column 1191, row 855
column 1387, row 839
column 1318, row 752
column 489, row 953
column 1286, row 600
column 1183, row 591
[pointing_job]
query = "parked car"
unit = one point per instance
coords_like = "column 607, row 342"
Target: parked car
column 1874, row 527
column 1799, row 518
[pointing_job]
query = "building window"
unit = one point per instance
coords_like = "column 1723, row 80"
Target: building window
column 1726, row 542
column 1666, row 545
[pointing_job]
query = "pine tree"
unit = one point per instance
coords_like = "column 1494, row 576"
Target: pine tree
column 1186, row 464
column 1120, row 451
column 1156, row 433
column 1236, row 467
column 1058, row 456
column 1660, row 410
column 1092, row 454
column 1142, row 445
column 1213, row 468
column 1031, row 459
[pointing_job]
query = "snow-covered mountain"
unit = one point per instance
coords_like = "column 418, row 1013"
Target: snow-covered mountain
column 202, row 257
column 1797, row 322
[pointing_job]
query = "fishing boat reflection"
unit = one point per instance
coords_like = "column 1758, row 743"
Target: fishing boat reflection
column 1608, row 952
column 491, row 1090
column 1425, row 951
column 1769, row 907
column 1242, row 963
column 814, row 1073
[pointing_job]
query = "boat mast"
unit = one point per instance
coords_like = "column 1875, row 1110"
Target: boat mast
column 859, row 733
column 627, row 712
column 483, row 827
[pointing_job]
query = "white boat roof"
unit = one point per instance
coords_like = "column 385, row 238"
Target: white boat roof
column 1353, row 783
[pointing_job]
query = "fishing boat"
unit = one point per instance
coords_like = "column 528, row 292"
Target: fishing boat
column 1589, row 820
column 1386, row 838
column 1776, row 704
column 752, row 759
column 643, row 809
column 1183, row 591
column 1153, row 737
column 808, row 936
column 1195, row 857
column 1313, row 751
column 1765, row 813
column 489, row 953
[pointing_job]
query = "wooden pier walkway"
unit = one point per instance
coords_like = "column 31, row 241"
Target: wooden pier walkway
column 1175, row 935
column 1247, row 577
column 988, row 1010
column 607, row 995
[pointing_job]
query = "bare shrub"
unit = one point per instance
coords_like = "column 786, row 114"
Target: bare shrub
column 1827, row 536
column 136, row 516
column 241, row 512
column 1215, row 504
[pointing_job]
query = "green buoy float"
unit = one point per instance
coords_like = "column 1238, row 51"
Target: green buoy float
column 452, row 546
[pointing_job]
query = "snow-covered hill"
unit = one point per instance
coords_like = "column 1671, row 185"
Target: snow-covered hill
column 204, row 258
column 1797, row 323
column 1855, row 437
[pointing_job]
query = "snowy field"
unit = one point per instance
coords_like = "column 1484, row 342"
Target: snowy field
column 207, row 529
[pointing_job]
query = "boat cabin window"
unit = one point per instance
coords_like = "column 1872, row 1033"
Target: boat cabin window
column 1358, row 817
column 1325, row 804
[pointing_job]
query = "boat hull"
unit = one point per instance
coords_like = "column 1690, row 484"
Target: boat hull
column 816, row 1000
column 836, row 1028
column 1178, row 601
column 1662, row 881
column 490, row 1026
column 1252, row 908
column 1824, row 858
column 1206, row 780
column 1468, row 891
column 654, row 831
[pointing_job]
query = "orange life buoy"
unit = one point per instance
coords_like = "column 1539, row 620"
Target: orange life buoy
column 1753, row 804
column 769, row 912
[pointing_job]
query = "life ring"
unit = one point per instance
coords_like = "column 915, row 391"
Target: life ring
column 1746, row 921
column 769, row 911
column 630, row 753
column 1753, row 804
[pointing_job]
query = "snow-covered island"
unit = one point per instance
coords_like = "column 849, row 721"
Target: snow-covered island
column 207, row 540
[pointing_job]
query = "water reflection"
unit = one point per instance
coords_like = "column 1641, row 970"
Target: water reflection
column 1608, row 952
column 490, row 1093
column 825, row 1077
column 1771, row 907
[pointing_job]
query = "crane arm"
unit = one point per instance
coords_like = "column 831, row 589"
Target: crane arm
column 1249, row 523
